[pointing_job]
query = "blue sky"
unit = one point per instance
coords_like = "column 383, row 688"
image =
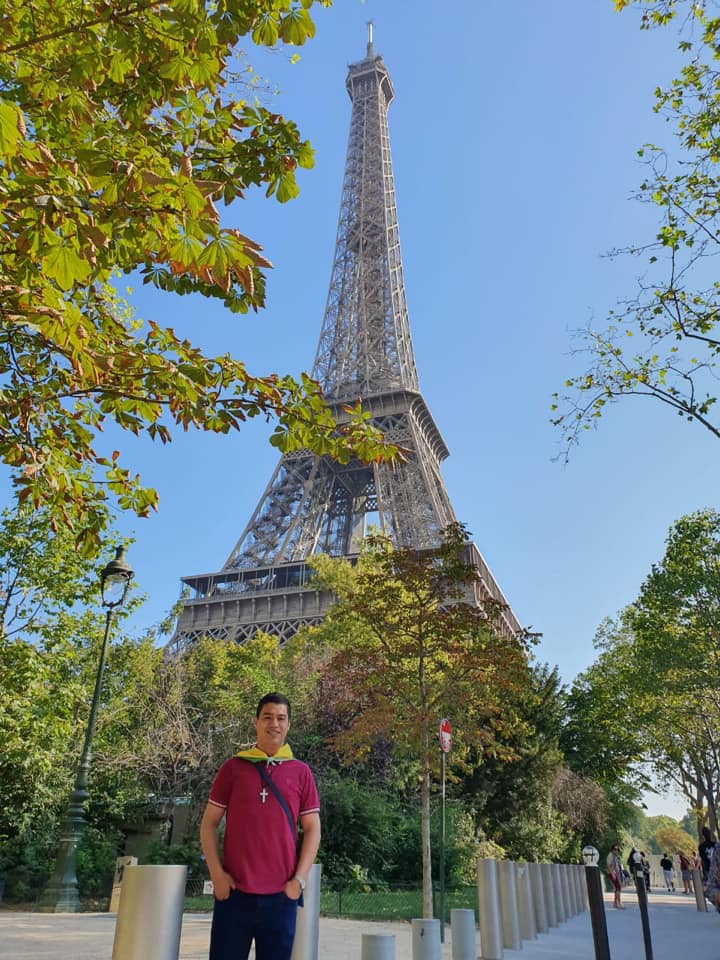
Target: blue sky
column 514, row 134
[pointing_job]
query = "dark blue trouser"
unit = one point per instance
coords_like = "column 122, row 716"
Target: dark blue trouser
column 268, row 919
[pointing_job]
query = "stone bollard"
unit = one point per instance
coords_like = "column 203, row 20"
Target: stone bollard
column 462, row 928
column 121, row 864
column 526, row 909
column 491, row 938
column 149, row 918
column 509, row 905
column 307, row 931
column 377, row 946
column 538, row 896
column 700, row 900
column 425, row 939
column 549, row 887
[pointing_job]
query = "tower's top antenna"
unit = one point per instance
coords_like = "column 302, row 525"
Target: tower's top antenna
column 370, row 50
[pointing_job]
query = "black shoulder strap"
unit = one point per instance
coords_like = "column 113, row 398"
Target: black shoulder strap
column 280, row 799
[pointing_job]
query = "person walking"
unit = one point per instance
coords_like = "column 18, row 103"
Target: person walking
column 614, row 870
column 666, row 865
column 262, row 793
column 705, row 850
column 685, row 868
column 645, row 869
column 712, row 887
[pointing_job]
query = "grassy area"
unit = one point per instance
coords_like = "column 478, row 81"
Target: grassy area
column 369, row 905
column 389, row 904
column 198, row 904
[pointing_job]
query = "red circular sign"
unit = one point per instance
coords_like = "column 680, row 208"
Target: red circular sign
column 445, row 736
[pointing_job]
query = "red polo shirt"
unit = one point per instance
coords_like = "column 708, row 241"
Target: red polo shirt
column 259, row 851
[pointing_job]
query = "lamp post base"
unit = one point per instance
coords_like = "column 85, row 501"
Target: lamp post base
column 58, row 898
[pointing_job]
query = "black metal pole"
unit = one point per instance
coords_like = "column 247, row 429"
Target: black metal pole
column 442, row 854
column 61, row 894
column 596, row 904
column 643, row 904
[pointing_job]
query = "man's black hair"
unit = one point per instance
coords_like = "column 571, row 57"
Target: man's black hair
column 273, row 697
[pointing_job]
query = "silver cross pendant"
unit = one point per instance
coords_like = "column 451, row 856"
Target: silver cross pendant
column 263, row 794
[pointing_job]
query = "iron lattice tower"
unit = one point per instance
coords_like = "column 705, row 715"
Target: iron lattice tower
column 313, row 504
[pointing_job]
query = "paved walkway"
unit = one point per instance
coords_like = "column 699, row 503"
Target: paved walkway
column 679, row 932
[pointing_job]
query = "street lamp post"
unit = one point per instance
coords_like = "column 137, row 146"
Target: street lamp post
column 61, row 894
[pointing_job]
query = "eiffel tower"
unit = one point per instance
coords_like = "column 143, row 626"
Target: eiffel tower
column 313, row 504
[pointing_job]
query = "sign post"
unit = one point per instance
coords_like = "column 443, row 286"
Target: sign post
column 445, row 747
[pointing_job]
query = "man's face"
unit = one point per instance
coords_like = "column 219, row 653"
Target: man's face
column 271, row 727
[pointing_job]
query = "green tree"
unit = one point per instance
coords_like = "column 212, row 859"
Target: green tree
column 673, row 839
column 47, row 632
column 518, row 799
column 600, row 738
column 676, row 659
column 664, row 342
column 121, row 128
column 411, row 649
column 651, row 698
column 49, row 647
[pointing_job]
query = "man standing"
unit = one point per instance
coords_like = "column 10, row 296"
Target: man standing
column 262, row 793
column 706, row 851
column 614, row 870
column 666, row 865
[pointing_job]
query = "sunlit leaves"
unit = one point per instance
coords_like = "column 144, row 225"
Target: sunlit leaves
column 11, row 128
column 63, row 264
column 120, row 131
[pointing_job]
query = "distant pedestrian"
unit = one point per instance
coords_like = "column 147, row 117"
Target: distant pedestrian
column 666, row 865
column 706, row 851
column 614, row 870
column 645, row 870
column 635, row 864
column 685, row 868
column 712, row 888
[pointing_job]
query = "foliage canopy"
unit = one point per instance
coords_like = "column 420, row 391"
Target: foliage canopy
column 664, row 342
column 121, row 129
column 413, row 645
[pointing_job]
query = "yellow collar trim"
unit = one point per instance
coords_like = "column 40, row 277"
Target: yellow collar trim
column 255, row 754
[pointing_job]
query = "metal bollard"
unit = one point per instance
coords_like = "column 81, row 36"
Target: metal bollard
column 565, row 890
column 526, row 909
column 568, row 882
column 538, row 897
column 557, row 891
column 580, row 887
column 377, row 946
column 597, row 912
column 700, row 900
column 425, row 939
column 572, row 887
column 641, row 888
column 549, row 888
column 149, row 918
column 491, row 938
column 462, row 928
column 509, row 905
column 307, row 931
column 584, row 899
